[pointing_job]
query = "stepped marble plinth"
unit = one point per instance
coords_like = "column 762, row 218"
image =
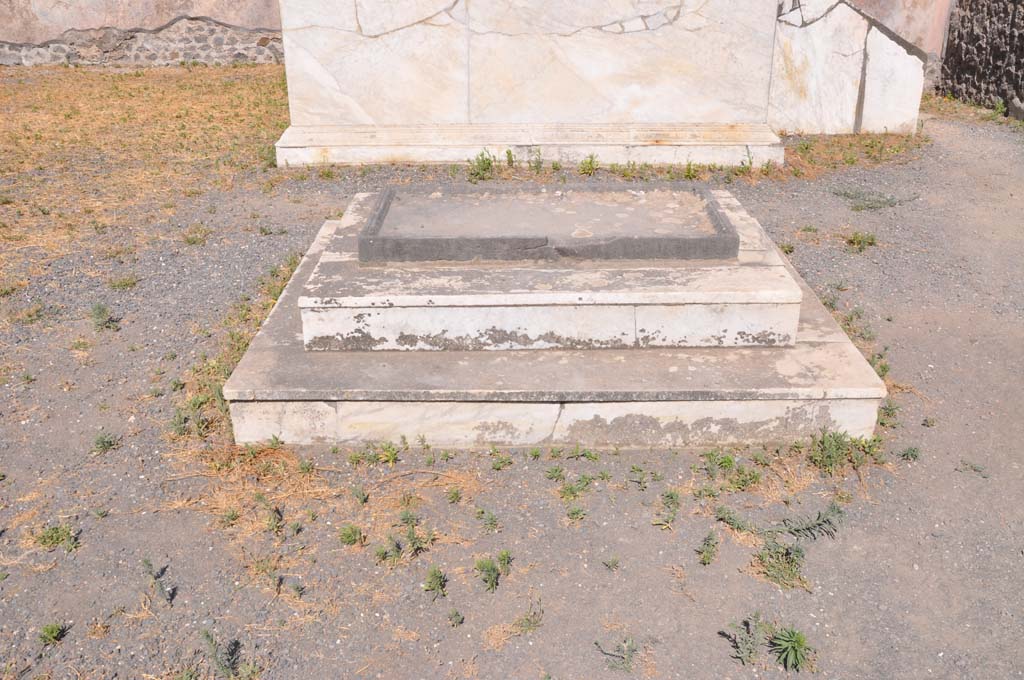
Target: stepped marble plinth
column 627, row 397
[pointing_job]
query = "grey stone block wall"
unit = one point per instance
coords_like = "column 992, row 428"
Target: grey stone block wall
column 984, row 60
column 186, row 39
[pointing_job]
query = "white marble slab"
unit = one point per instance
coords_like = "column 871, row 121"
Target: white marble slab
column 818, row 68
column 894, row 80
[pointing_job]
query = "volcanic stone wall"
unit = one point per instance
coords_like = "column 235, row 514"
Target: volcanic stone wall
column 183, row 40
column 984, row 60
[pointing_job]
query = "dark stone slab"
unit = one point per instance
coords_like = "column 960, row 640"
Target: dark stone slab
column 546, row 223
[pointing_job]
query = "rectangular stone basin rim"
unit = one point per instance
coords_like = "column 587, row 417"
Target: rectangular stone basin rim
column 375, row 247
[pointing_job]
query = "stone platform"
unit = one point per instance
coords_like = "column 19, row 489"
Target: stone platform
column 628, row 397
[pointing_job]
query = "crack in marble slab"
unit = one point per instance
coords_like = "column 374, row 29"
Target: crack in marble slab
column 649, row 23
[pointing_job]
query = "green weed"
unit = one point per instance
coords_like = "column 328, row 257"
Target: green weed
column 349, row 534
column 436, row 582
column 52, row 633
column 708, row 549
column 589, row 166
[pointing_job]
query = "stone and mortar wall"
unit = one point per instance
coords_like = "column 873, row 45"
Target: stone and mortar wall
column 985, row 53
column 185, row 39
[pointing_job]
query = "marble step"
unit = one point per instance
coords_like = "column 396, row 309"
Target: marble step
column 518, row 308
column 667, row 143
column 748, row 300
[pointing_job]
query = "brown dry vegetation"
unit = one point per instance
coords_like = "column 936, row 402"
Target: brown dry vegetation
column 78, row 145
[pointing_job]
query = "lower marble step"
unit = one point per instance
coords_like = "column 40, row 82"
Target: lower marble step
column 676, row 143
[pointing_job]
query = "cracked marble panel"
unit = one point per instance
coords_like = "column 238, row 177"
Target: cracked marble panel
column 339, row 75
column 436, row 62
column 682, row 61
column 893, row 83
column 817, row 71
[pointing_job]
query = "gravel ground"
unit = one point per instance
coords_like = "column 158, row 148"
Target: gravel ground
column 921, row 581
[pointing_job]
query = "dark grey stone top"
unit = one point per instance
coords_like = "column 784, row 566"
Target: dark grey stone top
column 546, row 223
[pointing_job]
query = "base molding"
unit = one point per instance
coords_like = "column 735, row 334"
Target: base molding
column 662, row 144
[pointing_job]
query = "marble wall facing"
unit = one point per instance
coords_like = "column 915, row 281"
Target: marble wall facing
column 408, row 62
column 633, row 80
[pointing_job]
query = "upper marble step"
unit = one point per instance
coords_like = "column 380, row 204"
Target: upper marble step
column 749, row 300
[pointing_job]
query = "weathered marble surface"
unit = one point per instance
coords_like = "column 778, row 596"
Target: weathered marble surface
column 893, row 83
column 838, row 71
column 492, row 61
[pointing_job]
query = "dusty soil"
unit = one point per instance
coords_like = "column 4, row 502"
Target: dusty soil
column 921, row 580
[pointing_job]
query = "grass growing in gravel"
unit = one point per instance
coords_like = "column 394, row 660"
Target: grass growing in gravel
column 56, row 536
column 833, row 452
column 159, row 130
column 52, row 633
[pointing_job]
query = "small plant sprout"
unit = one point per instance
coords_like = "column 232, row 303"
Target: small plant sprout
column 436, row 582
column 747, row 637
column 510, row 158
column 669, row 510
column 531, row 620
column 575, row 513
column 888, row 414
column 611, row 564
column 734, row 520
column 555, row 474
column 501, row 462
column 638, row 476
column 831, row 452
column 156, row 581
column 861, row 241
column 55, row 536
column 910, row 454
column 453, row 495
column 360, row 495
column 390, row 551
column 505, row 562
column 589, row 166
column 708, row 549
column 488, row 571
column 825, row 523
column 415, row 542
column 781, row 564
column 791, row 649
column 455, row 618
column 481, row 168
column 52, row 633
column 229, row 517
column 489, row 521
column 621, row 657
column 105, row 442
column 408, row 518
column 349, row 534
column 571, row 492
column 968, row 466
column 102, row 318
column 227, row 660
column 306, row 467
column 581, row 453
